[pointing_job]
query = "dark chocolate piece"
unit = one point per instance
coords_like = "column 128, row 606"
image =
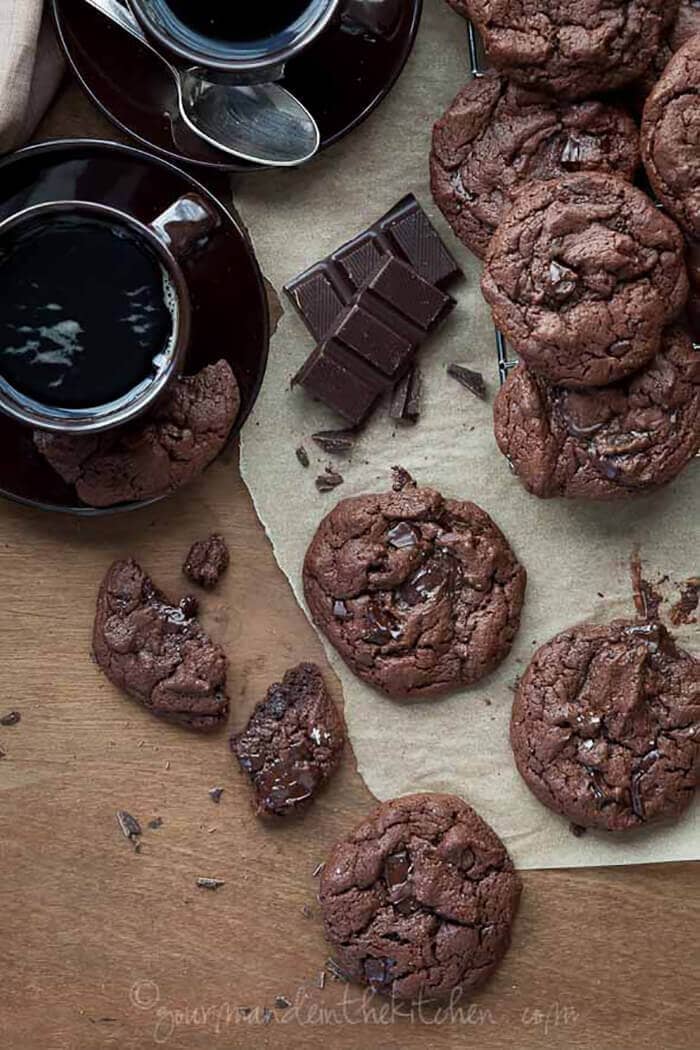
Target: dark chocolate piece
column 209, row 884
column 10, row 719
column 215, row 794
column 405, row 401
column 302, row 455
column 342, row 381
column 473, row 381
column 405, row 233
column 130, row 827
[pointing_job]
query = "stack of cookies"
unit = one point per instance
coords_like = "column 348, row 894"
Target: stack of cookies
column 587, row 277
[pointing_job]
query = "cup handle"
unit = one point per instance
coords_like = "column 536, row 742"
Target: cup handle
column 186, row 224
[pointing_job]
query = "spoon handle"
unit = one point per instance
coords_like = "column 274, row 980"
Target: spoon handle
column 117, row 12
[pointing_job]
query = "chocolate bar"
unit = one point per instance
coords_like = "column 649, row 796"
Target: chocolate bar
column 374, row 339
column 405, row 233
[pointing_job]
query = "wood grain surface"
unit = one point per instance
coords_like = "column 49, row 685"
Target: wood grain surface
column 101, row 946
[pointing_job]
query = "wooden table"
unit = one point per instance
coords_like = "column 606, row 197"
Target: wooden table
column 101, row 946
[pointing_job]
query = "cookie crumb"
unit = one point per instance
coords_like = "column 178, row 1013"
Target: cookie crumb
column 330, row 480
column 302, row 455
column 207, row 561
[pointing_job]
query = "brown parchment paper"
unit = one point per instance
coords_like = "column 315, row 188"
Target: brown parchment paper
column 577, row 556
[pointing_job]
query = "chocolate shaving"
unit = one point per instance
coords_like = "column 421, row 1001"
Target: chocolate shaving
column 334, row 440
column 209, row 884
column 303, row 456
column 215, row 794
column 646, row 599
column 328, row 481
column 473, row 381
column 405, row 400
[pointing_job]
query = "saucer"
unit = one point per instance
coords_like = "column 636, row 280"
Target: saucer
column 340, row 78
column 229, row 306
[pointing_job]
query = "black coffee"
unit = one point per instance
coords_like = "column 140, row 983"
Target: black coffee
column 85, row 307
column 237, row 20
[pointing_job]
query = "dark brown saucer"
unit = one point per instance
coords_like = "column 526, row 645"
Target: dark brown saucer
column 341, row 77
column 229, row 315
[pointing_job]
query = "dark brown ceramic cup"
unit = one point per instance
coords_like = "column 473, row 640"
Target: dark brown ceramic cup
column 183, row 227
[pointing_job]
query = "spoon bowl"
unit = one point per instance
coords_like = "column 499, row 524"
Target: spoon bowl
column 261, row 123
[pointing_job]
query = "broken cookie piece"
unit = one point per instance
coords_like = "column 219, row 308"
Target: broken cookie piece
column 157, row 652
column 292, row 743
column 152, row 457
column 207, row 561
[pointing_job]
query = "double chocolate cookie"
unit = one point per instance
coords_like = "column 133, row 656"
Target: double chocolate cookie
column 418, row 902
column 604, row 442
column 606, row 725
column 583, row 274
column 567, row 49
column 420, row 595
column 292, row 743
column 671, row 138
column 154, row 456
column 158, row 652
column 496, row 136
column 687, row 23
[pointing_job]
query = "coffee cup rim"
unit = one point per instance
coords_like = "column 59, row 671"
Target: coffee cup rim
column 206, row 60
column 94, row 419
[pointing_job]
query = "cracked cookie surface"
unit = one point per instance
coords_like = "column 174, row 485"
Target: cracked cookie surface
column 420, row 595
column 605, row 726
column 687, row 23
column 604, row 442
column 671, row 138
column 292, row 743
column 570, row 49
column 420, row 898
column 496, row 136
column 582, row 275
column 155, row 455
column 157, row 652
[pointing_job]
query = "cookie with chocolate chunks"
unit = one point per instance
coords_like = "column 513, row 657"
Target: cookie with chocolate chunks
column 496, row 136
column 292, row 743
column 582, row 275
column 606, row 725
column 155, row 455
column 418, row 902
column 158, row 652
column 570, row 50
column 671, row 138
column 419, row 594
column 604, row 442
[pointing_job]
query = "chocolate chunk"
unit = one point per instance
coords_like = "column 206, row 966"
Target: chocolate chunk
column 302, row 455
column 292, row 743
column 334, row 440
column 403, row 535
column 405, row 400
column 207, row 561
column 473, row 381
column 341, row 611
column 215, row 794
column 10, row 719
column 130, row 827
column 342, row 381
column 322, row 292
column 328, row 481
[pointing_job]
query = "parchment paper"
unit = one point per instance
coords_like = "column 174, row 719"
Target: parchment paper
column 577, row 556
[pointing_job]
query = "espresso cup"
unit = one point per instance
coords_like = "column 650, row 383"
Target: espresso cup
column 247, row 43
column 95, row 311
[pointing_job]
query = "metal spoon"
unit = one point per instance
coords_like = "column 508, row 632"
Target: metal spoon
column 262, row 123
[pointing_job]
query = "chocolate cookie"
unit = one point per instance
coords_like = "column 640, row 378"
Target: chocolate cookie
column 497, row 136
column 420, row 595
column 605, row 727
column 687, row 23
column 419, row 900
column 671, row 138
column 604, row 442
column 583, row 275
column 158, row 652
column 153, row 456
column 207, row 561
column 569, row 50
column 292, row 743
